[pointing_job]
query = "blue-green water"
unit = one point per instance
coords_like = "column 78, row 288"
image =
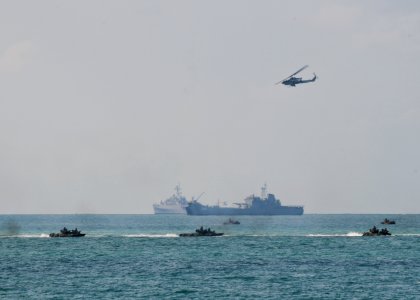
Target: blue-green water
column 140, row 256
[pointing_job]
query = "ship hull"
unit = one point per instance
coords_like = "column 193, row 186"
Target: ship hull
column 166, row 210
column 201, row 210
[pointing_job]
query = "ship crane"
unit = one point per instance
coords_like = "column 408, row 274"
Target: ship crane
column 198, row 198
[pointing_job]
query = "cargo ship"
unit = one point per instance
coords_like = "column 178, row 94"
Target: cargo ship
column 265, row 205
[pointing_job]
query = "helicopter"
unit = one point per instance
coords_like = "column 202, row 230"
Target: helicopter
column 292, row 81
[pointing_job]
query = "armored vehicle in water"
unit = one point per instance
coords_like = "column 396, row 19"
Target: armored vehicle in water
column 201, row 232
column 231, row 221
column 68, row 233
column 376, row 232
column 388, row 221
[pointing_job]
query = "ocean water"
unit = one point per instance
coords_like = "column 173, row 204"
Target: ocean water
column 272, row 257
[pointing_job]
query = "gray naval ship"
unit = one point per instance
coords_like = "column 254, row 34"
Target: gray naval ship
column 174, row 205
column 265, row 205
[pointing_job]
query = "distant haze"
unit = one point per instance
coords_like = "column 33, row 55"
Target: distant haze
column 106, row 105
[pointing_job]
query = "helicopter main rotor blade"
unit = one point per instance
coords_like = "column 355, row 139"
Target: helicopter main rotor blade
column 300, row 70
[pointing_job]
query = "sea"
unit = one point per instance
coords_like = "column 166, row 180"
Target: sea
column 314, row 256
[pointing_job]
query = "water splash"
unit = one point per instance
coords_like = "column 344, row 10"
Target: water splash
column 141, row 235
column 42, row 235
column 349, row 234
column 9, row 227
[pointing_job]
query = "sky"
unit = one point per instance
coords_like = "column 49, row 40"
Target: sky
column 106, row 105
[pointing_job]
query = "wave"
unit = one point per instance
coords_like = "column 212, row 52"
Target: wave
column 174, row 235
column 42, row 235
column 355, row 234
column 407, row 234
column 349, row 234
column 141, row 235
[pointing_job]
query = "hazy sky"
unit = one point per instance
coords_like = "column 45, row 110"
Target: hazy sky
column 106, row 105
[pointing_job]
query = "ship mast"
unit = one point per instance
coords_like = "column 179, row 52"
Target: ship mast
column 264, row 191
column 178, row 190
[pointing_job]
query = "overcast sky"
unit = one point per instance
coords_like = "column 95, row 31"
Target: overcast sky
column 106, row 105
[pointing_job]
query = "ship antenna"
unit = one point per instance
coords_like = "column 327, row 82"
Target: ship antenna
column 264, row 191
column 178, row 190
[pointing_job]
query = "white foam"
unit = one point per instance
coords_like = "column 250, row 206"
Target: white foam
column 42, row 235
column 354, row 234
column 141, row 235
column 260, row 235
column 349, row 234
column 407, row 234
